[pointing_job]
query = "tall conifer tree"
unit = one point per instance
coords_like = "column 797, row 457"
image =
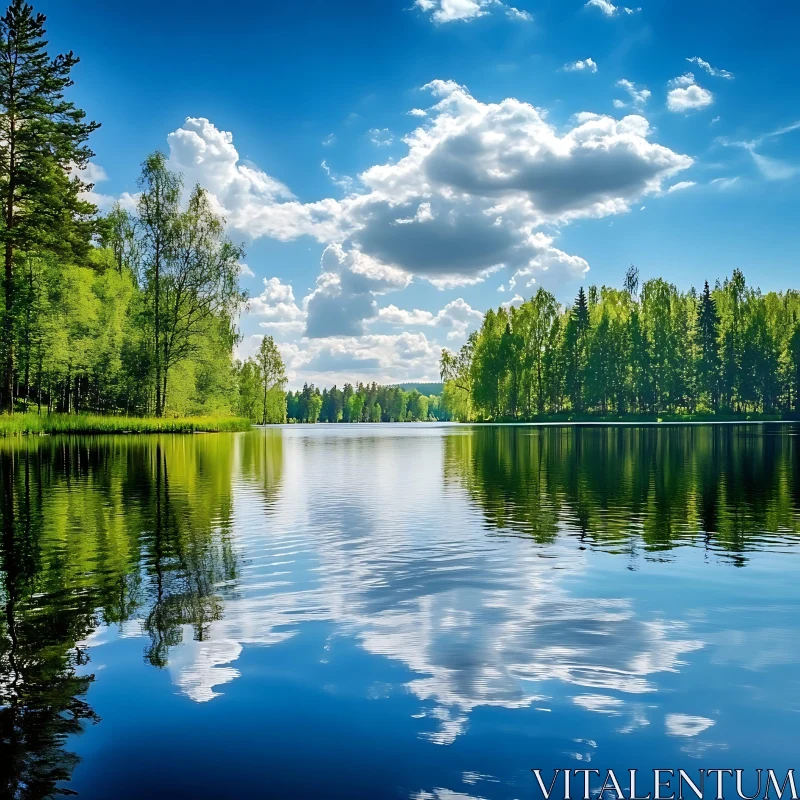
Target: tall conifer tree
column 708, row 335
column 42, row 141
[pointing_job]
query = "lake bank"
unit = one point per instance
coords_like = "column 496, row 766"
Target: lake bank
column 45, row 424
column 86, row 424
column 643, row 419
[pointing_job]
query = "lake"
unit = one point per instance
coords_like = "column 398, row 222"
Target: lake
column 396, row 611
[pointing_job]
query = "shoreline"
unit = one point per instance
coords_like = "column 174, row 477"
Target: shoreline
column 20, row 425
column 544, row 423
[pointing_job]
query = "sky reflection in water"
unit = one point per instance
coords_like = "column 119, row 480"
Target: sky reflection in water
column 396, row 611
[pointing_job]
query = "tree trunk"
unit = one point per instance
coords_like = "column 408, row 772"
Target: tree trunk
column 8, row 321
column 157, row 332
column 8, row 330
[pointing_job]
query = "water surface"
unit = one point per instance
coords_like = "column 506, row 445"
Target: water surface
column 395, row 611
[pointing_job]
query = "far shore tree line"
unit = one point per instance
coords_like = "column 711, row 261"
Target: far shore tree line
column 262, row 397
column 646, row 350
column 363, row 403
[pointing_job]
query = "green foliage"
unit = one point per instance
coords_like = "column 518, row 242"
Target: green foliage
column 141, row 325
column 621, row 352
column 248, row 379
column 133, row 314
column 271, row 375
column 363, row 403
column 189, row 270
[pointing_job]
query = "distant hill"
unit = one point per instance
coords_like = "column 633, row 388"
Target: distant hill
column 423, row 388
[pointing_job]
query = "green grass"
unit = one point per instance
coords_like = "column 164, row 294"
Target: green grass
column 22, row 424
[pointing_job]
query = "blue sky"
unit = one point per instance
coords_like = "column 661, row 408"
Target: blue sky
column 382, row 235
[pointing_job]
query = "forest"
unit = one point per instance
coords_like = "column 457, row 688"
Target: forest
column 636, row 351
column 363, row 403
column 129, row 313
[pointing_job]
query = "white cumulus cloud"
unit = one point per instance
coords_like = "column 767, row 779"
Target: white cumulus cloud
column 442, row 11
column 609, row 9
column 457, row 316
column 585, row 65
column 93, row 174
column 253, row 202
column 344, row 297
column 384, row 358
column 277, row 306
column 471, row 195
column 685, row 95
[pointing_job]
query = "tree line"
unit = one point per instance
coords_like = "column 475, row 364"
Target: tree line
column 262, row 398
column 130, row 313
column 363, row 403
column 645, row 350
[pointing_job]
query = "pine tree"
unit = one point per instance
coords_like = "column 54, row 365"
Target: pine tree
column 708, row 335
column 580, row 312
column 577, row 338
column 42, row 139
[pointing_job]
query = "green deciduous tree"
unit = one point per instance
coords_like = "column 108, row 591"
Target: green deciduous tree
column 272, row 375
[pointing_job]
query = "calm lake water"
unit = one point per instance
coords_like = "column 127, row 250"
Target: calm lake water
column 395, row 611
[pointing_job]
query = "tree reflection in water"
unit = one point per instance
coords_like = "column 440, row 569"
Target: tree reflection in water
column 97, row 531
column 138, row 533
column 618, row 487
column 41, row 693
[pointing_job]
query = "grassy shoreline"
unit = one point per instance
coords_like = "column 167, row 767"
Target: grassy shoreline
column 46, row 424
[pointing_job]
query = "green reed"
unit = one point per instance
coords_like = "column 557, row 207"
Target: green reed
column 34, row 424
